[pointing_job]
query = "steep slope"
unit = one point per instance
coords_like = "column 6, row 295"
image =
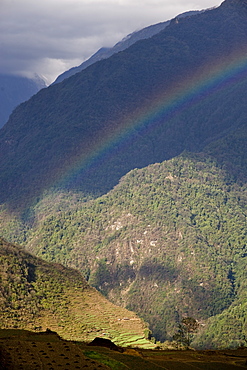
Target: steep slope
column 178, row 90
column 14, row 90
column 129, row 40
column 167, row 242
column 36, row 295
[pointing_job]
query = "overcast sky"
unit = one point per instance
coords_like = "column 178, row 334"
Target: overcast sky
column 48, row 37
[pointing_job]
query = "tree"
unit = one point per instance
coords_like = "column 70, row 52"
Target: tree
column 186, row 331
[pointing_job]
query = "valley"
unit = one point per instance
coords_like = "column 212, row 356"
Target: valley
column 123, row 196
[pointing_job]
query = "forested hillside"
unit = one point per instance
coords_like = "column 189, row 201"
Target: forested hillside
column 168, row 242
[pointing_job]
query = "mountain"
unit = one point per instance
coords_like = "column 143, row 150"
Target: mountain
column 179, row 90
column 133, row 171
column 36, row 295
column 129, row 40
column 168, row 242
column 15, row 90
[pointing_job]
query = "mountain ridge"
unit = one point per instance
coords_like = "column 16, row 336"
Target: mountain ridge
column 127, row 41
column 100, row 104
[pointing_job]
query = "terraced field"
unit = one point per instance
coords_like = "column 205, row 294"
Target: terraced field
column 36, row 295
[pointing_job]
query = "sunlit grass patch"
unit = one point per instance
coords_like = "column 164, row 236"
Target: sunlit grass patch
column 113, row 364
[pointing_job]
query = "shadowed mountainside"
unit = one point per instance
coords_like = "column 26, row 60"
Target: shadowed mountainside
column 178, row 90
column 129, row 40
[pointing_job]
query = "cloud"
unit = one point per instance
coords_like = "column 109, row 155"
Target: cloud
column 50, row 36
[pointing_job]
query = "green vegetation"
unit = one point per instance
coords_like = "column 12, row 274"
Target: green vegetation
column 186, row 332
column 36, row 295
column 168, row 242
column 113, row 364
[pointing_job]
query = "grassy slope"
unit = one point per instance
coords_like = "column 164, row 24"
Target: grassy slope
column 37, row 295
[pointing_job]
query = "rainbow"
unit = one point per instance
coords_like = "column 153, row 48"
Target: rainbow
column 190, row 92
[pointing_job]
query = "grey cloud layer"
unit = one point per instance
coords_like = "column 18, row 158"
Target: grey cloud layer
column 50, row 36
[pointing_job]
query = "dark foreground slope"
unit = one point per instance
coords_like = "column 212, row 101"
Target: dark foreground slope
column 22, row 350
column 36, row 295
column 141, row 106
